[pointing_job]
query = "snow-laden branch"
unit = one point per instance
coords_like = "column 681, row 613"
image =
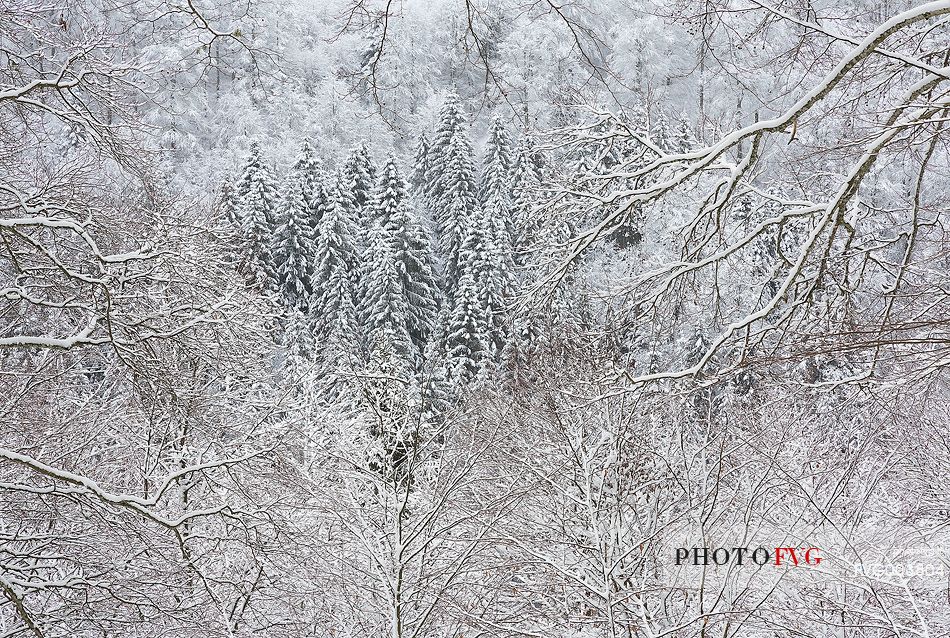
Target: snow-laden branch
column 82, row 485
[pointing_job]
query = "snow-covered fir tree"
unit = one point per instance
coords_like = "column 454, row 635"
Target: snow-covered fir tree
column 478, row 322
column 229, row 203
column 343, row 200
column 499, row 162
column 293, row 245
column 309, row 172
column 336, row 260
column 661, row 135
column 419, row 178
column 257, row 211
column 452, row 192
column 359, row 173
column 384, row 307
column 493, row 244
column 526, row 179
column 411, row 252
column 466, row 341
column 683, row 139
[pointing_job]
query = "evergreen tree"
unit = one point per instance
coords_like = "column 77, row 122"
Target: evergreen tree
column 332, row 302
column 527, row 165
column 420, row 167
column 451, row 124
column 466, row 335
column 390, row 194
column 372, row 48
column 451, row 188
column 683, row 139
column 411, row 253
column 230, row 205
column 496, row 266
column 293, row 247
column 343, row 201
column 499, row 162
column 477, row 331
column 525, row 187
column 257, row 210
column 497, row 281
column 309, row 172
column 384, row 308
column 661, row 134
column 359, row 173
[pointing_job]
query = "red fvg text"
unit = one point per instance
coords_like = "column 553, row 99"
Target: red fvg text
column 778, row 556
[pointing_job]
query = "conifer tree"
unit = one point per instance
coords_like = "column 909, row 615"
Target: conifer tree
column 661, row 134
column 683, row 139
column 420, row 167
column 466, row 343
column 451, row 123
column 309, row 172
column 451, row 189
column 526, row 164
column 499, row 162
column 230, row 205
column 359, row 174
column 257, row 211
column 478, row 322
column 411, row 253
column 332, row 302
column 293, row 247
column 525, row 187
column 390, row 193
column 384, row 307
column 343, row 201
column 496, row 265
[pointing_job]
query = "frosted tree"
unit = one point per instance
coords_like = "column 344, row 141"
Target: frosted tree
column 389, row 195
column 452, row 192
column 293, row 246
column 359, row 173
column 258, row 213
column 499, row 162
column 342, row 198
column 384, row 308
column 230, row 204
column 388, row 391
column 661, row 134
column 397, row 312
column 308, row 171
column 478, row 322
column 466, row 344
column 496, row 274
column 525, row 190
column 407, row 241
column 451, row 123
column 420, row 167
column 492, row 247
column 336, row 261
column 683, row 138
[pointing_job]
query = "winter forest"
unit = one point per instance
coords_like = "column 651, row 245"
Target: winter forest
column 468, row 318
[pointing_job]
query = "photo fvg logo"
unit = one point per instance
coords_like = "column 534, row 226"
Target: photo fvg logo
column 780, row 557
